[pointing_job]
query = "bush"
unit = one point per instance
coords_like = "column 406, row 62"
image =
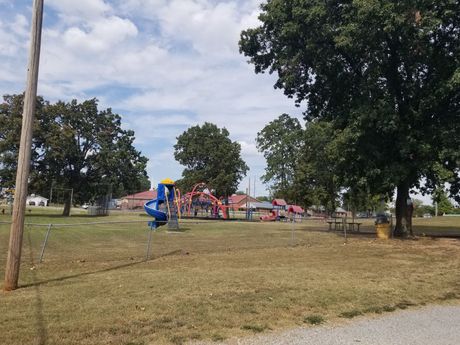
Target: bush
column 350, row 314
column 423, row 209
column 313, row 319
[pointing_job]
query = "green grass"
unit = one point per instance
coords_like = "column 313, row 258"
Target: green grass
column 213, row 281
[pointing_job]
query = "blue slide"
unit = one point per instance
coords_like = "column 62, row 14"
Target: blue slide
column 160, row 217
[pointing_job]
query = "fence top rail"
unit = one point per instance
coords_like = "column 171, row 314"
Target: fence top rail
column 78, row 224
column 110, row 222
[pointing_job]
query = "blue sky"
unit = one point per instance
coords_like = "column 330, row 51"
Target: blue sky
column 164, row 65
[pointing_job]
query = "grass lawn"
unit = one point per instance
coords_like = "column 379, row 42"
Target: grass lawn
column 214, row 280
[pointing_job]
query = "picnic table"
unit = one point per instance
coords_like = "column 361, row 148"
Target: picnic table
column 339, row 224
column 351, row 226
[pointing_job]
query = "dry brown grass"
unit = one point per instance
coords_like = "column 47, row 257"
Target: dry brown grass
column 213, row 281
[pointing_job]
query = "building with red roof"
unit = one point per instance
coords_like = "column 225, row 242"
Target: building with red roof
column 237, row 201
column 137, row 200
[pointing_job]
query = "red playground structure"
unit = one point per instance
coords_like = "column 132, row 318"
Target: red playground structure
column 201, row 199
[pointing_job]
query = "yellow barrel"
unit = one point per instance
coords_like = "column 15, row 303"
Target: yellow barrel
column 383, row 230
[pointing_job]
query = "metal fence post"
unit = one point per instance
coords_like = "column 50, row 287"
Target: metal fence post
column 40, row 259
column 292, row 233
column 149, row 245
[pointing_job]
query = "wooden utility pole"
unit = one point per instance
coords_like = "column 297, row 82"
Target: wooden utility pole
column 25, row 148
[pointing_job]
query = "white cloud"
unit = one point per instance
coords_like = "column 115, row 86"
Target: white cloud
column 157, row 127
column 79, row 10
column 249, row 149
column 12, row 36
column 20, row 26
column 211, row 29
column 104, row 34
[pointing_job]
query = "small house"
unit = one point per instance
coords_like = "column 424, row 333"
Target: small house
column 341, row 213
column 36, row 200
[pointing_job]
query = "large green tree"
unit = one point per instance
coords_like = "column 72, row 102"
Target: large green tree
column 210, row 156
column 10, row 128
column 316, row 182
column 75, row 146
column 280, row 142
column 384, row 73
column 443, row 203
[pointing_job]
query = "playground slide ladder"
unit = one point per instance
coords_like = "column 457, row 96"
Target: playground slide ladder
column 173, row 222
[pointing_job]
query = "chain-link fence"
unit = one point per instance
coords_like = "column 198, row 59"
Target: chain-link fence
column 106, row 241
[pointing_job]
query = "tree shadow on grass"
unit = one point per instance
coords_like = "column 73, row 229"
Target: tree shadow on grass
column 438, row 231
column 40, row 322
column 55, row 215
column 419, row 231
column 108, row 269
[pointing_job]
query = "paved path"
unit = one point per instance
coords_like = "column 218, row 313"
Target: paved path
column 434, row 325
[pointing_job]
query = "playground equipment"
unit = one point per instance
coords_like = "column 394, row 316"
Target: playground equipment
column 170, row 205
column 271, row 217
column 280, row 209
column 201, row 198
column 295, row 213
column 280, row 206
column 165, row 208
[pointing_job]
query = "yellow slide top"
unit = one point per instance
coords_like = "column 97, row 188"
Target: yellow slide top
column 167, row 181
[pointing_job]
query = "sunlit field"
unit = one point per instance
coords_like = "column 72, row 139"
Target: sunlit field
column 213, row 280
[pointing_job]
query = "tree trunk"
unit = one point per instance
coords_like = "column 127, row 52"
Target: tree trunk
column 401, row 210
column 410, row 211
column 67, row 205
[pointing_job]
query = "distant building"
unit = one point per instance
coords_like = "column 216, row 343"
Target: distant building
column 136, row 201
column 114, row 204
column 36, row 200
column 340, row 212
column 237, row 201
column 261, row 207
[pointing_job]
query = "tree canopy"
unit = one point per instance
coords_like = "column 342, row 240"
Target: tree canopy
column 75, row 146
column 385, row 74
column 210, row 156
column 280, row 142
column 443, row 203
column 316, row 178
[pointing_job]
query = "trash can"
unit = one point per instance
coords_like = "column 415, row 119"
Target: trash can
column 383, row 226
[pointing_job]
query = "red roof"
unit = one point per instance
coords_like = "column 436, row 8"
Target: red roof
column 279, row 202
column 237, row 198
column 147, row 195
column 295, row 209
